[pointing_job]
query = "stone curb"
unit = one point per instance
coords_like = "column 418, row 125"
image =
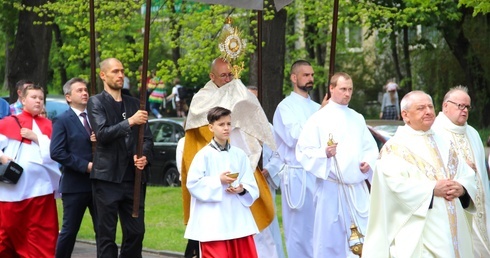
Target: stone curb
column 145, row 250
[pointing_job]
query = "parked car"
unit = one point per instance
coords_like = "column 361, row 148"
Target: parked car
column 383, row 130
column 380, row 138
column 166, row 133
column 55, row 105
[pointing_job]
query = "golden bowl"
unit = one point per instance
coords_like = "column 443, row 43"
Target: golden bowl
column 233, row 175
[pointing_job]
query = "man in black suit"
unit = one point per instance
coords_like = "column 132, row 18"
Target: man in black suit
column 115, row 119
column 71, row 147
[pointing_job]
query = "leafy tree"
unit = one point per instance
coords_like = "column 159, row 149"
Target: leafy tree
column 455, row 24
column 8, row 23
column 479, row 6
column 28, row 58
column 118, row 34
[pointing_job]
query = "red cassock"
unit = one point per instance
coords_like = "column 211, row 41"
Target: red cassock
column 234, row 248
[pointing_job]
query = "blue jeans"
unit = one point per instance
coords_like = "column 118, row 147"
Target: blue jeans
column 155, row 109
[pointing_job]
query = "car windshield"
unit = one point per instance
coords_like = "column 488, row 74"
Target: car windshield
column 55, row 107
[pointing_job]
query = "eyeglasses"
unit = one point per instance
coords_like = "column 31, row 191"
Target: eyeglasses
column 226, row 75
column 460, row 106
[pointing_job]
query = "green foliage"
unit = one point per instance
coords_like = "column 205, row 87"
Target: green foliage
column 184, row 38
column 199, row 28
column 479, row 6
column 8, row 23
column 187, row 28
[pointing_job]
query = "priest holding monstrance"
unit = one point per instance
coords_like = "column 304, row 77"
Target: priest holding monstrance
column 251, row 127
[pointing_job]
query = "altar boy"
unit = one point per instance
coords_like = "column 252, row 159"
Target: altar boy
column 220, row 217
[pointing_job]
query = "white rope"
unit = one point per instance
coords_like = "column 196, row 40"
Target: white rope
column 287, row 187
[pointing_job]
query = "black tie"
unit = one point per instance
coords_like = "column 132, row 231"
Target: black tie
column 85, row 123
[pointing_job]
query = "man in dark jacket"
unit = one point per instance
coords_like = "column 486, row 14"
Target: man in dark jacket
column 115, row 120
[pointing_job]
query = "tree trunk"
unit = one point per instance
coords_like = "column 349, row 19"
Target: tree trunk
column 316, row 51
column 406, row 60
column 273, row 58
column 175, row 37
column 394, row 52
column 59, row 45
column 30, row 55
column 8, row 17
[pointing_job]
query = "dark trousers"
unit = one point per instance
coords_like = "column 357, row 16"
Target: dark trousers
column 111, row 200
column 74, row 206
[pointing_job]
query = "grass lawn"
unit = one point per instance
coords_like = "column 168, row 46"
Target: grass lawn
column 163, row 218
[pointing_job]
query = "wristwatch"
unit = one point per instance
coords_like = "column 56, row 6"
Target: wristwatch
column 243, row 192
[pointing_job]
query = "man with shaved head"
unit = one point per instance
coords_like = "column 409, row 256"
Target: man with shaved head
column 451, row 124
column 297, row 186
column 115, row 119
column 420, row 190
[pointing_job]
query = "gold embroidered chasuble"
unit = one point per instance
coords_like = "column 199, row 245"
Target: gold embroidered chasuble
column 469, row 146
column 400, row 221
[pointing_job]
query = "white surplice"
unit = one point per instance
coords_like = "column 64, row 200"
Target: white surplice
column 406, row 219
column 215, row 214
column 297, row 186
column 335, row 201
column 41, row 174
column 470, row 147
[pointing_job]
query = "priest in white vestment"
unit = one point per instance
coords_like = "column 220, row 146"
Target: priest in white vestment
column 452, row 126
column 297, row 186
column 420, row 190
column 342, row 196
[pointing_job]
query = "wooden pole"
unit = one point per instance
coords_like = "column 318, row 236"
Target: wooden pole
column 333, row 43
column 259, row 56
column 93, row 60
column 141, row 131
column 93, row 79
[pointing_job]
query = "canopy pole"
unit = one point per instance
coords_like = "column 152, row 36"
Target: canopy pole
column 141, row 131
column 92, row 48
column 259, row 55
column 333, row 44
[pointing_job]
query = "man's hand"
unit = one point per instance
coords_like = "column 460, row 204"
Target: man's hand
column 325, row 100
column 29, row 134
column 331, row 150
column 92, row 137
column 139, row 118
column 364, row 167
column 455, row 190
column 265, row 172
column 441, row 188
column 235, row 190
column 225, row 179
column 89, row 167
column 448, row 189
column 5, row 159
column 140, row 163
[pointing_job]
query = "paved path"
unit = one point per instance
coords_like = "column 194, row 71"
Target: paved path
column 87, row 249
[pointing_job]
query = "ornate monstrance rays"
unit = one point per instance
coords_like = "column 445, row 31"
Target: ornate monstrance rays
column 232, row 46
